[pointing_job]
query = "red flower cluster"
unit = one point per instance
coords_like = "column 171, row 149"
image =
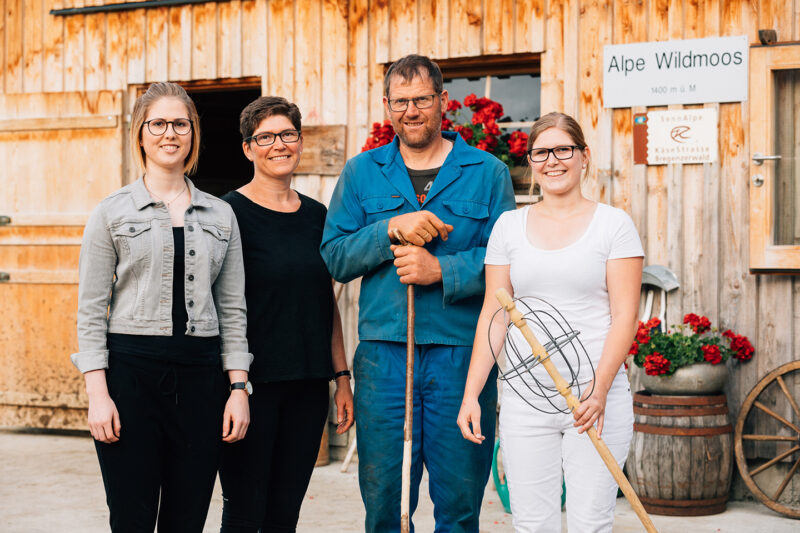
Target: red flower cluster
column 655, row 364
column 700, row 324
column 518, row 144
column 711, row 353
column 483, row 109
column 381, row 134
column 643, row 334
column 743, row 350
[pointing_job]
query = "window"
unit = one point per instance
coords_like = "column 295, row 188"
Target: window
column 514, row 81
column 774, row 165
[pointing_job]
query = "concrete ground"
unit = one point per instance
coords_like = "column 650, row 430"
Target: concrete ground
column 51, row 482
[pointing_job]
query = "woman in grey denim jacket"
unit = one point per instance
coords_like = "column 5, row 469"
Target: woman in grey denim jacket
column 160, row 305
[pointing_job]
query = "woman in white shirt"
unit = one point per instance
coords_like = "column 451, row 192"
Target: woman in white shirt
column 585, row 259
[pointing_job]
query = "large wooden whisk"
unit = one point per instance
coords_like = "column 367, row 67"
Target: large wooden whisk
column 572, row 402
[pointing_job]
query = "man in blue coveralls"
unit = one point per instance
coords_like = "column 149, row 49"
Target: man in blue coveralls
column 431, row 189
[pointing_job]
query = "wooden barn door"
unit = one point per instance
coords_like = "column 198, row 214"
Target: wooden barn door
column 61, row 153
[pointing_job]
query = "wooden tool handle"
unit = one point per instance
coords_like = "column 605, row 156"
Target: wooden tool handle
column 405, row 494
column 572, row 402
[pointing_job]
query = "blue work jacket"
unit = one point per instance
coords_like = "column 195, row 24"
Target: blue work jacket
column 470, row 192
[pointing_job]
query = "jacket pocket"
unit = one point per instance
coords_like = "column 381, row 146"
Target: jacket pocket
column 216, row 239
column 469, row 219
column 134, row 239
column 381, row 207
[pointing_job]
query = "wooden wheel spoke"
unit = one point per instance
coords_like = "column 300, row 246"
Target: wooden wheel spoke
column 786, row 480
column 773, row 461
column 776, row 416
column 769, row 437
column 789, row 397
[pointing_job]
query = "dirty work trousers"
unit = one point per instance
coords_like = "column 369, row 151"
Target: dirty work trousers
column 265, row 476
column 163, row 467
column 458, row 469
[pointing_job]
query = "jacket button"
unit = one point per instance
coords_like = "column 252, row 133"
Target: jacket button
column 191, row 303
column 191, row 252
column 190, row 228
column 465, row 210
column 131, row 229
column 380, row 206
column 191, row 277
column 191, row 329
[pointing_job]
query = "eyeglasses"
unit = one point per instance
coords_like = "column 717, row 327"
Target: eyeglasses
column 158, row 126
column 267, row 138
column 540, row 155
column 420, row 102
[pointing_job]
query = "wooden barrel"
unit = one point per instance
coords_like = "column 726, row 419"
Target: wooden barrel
column 680, row 462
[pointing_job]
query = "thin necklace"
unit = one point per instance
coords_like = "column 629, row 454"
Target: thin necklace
column 167, row 203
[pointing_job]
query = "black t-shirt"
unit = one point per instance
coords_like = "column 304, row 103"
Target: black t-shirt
column 288, row 290
column 422, row 180
column 178, row 347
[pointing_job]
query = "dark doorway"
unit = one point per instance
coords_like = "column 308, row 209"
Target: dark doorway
column 222, row 167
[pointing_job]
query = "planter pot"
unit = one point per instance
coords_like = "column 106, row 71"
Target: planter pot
column 696, row 379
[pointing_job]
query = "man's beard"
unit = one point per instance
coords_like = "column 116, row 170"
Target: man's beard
column 429, row 135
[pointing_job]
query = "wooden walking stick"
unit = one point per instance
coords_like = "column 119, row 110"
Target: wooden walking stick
column 572, row 402
column 405, row 494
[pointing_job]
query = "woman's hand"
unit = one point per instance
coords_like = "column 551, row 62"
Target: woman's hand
column 592, row 409
column 104, row 418
column 470, row 413
column 236, row 418
column 343, row 398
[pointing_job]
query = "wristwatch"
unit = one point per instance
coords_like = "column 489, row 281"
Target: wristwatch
column 245, row 385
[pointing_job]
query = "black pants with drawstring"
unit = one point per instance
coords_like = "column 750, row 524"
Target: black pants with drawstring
column 163, row 468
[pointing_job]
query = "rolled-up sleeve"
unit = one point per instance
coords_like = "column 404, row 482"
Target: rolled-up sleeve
column 228, row 291
column 96, row 267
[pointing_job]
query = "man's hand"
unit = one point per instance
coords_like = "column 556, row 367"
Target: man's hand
column 419, row 227
column 416, row 265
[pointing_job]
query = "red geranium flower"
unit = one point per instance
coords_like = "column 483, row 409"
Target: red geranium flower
column 655, row 364
column 700, row 324
column 711, row 353
column 453, row 105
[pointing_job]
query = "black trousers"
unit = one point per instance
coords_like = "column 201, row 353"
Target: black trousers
column 265, row 476
column 162, row 470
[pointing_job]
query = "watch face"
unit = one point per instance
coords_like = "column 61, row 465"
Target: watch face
column 249, row 388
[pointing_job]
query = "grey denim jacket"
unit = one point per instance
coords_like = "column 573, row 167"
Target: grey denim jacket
column 125, row 275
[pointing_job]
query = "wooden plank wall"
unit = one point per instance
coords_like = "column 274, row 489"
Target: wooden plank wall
column 328, row 56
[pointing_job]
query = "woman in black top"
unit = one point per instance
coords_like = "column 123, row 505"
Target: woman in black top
column 294, row 330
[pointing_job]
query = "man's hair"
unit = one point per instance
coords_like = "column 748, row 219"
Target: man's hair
column 156, row 92
column 265, row 107
column 413, row 65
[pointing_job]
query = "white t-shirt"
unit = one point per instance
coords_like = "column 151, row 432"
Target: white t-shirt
column 571, row 279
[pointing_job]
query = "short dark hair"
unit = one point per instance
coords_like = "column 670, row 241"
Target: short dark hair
column 264, row 107
column 414, row 65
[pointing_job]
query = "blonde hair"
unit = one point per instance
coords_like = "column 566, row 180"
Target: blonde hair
column 156, row 92
column 565, row 123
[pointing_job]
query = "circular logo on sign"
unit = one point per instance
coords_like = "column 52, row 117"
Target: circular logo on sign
column 679, row 134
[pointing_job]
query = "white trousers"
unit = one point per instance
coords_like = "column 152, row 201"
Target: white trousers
column 537, row 448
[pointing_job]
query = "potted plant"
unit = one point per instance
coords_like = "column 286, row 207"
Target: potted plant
column 687, row 359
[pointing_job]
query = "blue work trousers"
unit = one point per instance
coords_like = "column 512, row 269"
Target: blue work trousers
column 458, row 469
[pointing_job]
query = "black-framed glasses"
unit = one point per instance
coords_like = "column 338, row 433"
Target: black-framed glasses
column 540, row 155
column 420, row 102
column 158, row 126
column 268, row 138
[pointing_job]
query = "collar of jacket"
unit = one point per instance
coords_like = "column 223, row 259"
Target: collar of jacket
column 141, row 196
column 394, row 168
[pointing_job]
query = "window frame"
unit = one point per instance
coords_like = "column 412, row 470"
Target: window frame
column 765, row 256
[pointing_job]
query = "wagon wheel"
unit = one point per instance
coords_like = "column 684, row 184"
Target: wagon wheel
column 789, row 432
